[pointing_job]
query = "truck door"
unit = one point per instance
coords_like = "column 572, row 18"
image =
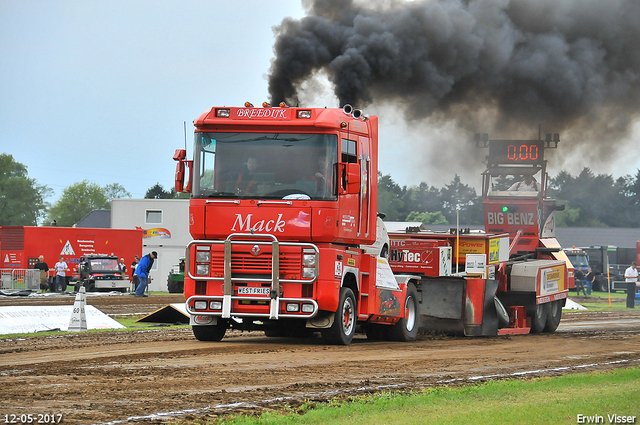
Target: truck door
column 354, row 191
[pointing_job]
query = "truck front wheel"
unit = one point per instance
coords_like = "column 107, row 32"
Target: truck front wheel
column 210, row 332
column 407, row 328
column 601, row 284
column 344, row 324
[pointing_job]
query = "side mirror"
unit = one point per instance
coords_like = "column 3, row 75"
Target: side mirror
column 351, row 178
column 180, row 156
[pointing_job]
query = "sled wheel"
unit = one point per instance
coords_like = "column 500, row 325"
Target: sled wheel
column 503, row 316
column 554, row 314
column 344, row 324
column 407, row 328
column 210, row 332
column 539, row 318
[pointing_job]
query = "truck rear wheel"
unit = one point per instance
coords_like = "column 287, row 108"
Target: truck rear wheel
column 211, row 332
column 344, row 324
column 407, row 328
column 538, row 319
column 554, row 314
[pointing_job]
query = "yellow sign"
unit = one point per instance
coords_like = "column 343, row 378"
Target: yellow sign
column 470, row 246
column 351, row 262
column 494, row 251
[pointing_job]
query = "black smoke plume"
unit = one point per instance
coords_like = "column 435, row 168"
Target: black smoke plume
column 486, row 65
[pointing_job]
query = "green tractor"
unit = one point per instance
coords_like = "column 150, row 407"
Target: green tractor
column 175, row 281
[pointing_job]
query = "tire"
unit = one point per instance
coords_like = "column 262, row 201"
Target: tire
column 604, row 285
column 503, row 316
column 91, row 286
column 538, row 319
column 407, row 328
column 601, row 284
column 174, row 287
column 212, row 332
column 344, row 324
column 554, row 314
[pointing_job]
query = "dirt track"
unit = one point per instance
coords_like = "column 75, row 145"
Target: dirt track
column 123, row 376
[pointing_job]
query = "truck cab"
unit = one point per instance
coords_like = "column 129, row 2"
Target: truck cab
column 283, row 201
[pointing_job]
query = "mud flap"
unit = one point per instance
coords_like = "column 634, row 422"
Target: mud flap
column 459, row 306
column 441, row 304
column 480, row 316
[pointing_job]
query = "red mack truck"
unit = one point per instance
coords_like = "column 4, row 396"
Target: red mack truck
column 287, row 239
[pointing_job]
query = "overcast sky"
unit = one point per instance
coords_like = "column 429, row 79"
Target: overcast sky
column 99, row 90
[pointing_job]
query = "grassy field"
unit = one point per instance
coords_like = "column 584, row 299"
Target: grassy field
column 599, row 301
column 537, row 401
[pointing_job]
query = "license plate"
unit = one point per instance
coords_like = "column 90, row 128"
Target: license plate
column 252, row 290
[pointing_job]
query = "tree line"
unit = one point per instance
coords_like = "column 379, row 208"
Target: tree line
column 590, row 200
column 22, row 199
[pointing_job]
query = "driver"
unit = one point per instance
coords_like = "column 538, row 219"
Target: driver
column 528, row 184
column 246, row 179
column 322, row 177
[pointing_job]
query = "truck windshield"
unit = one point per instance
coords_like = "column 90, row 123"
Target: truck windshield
column 265, row 165
column 580, row 260
column 104, row 264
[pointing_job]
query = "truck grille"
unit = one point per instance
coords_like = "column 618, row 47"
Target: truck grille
column 290, row 263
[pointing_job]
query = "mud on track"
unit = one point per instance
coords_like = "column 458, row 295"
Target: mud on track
column 124, row 376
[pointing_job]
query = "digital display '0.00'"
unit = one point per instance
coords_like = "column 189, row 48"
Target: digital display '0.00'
column 522, row 152
column 516, row 151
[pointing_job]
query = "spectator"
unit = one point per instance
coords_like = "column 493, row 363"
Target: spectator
column 61, row 280
column 44, row 269
column 631, row 274
column 134, row 278
column 122, row 267
column 580, row 283
column 591, row 279
column 142, row 271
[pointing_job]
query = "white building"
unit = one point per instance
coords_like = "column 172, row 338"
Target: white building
column 166, row 226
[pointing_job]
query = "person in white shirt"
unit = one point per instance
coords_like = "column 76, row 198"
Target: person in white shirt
column 631, row 274
column 528, row 184
column 61, row 268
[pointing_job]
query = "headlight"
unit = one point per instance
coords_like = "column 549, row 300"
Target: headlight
column 200, row 305
column 308, row 272
column 202, row 269
column 307, row 308
column 215, row 305
column 203, row 257
column 293, row 308
column 309, row 260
